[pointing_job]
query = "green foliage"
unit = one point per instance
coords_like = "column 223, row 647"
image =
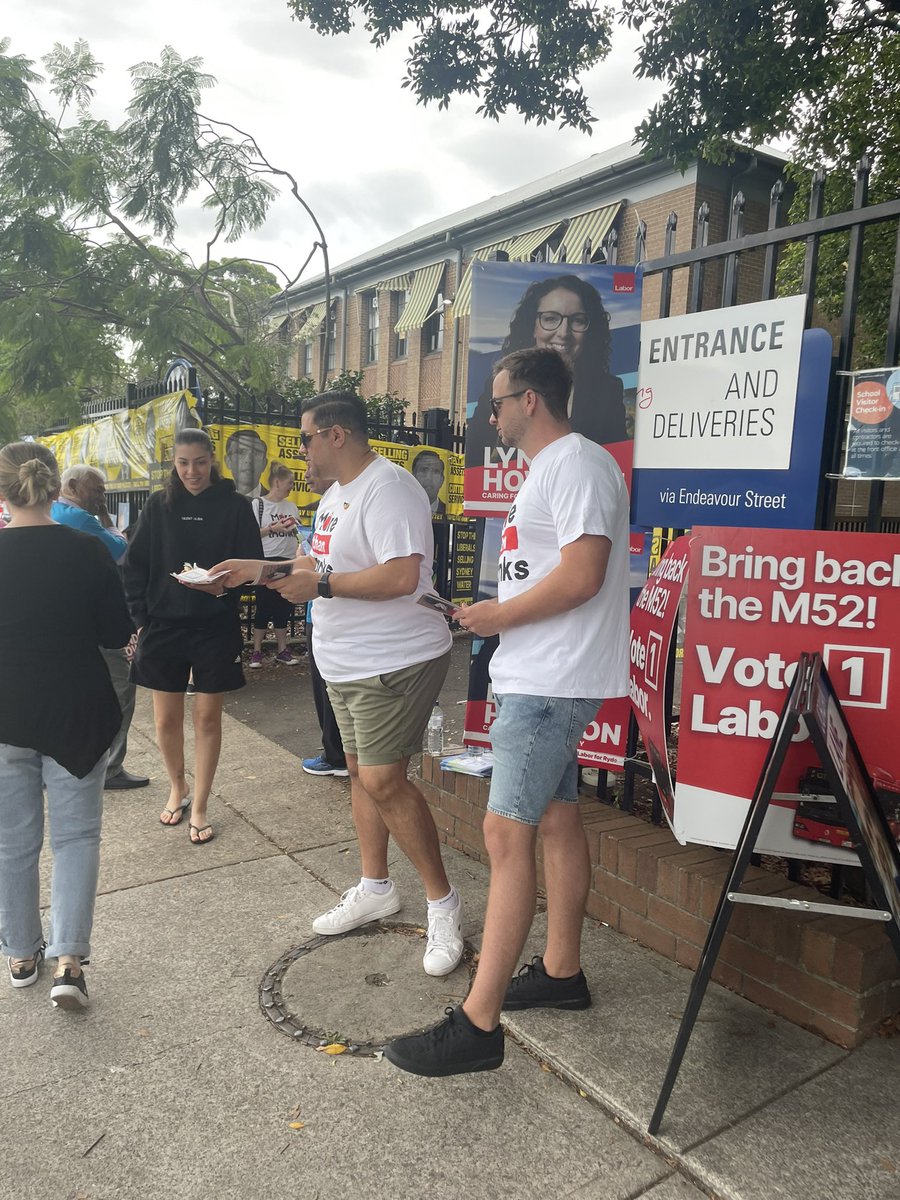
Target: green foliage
column 387, row 408
column 88, row 298
column 524, row 55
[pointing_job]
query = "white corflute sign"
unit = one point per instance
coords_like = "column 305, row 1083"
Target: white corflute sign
column 717, row 390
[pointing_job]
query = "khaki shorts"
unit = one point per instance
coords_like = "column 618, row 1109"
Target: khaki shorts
column 382, row 719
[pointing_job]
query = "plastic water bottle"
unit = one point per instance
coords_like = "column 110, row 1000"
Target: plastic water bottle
column 434, row 734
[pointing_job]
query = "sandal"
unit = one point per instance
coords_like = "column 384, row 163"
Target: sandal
column 176, row 812
column 198, row 829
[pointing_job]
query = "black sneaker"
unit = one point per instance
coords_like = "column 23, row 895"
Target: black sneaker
column 454, row 1047
column 534, row 988
column 69, row 991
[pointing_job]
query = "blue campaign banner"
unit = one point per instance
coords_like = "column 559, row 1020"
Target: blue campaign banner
column 751, row 498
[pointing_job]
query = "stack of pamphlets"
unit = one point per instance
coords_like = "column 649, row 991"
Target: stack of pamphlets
column 468, row 763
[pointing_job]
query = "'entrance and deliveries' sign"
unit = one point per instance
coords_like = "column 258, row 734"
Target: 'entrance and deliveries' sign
column 729, row 419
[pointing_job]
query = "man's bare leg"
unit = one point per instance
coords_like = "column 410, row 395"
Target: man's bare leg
column 567, row 871
column 402, row 809
column 371, row 830
column 510, row 911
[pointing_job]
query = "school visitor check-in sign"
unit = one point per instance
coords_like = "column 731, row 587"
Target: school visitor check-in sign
column 729, row 416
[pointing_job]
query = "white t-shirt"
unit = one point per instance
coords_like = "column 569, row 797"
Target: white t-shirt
column 382, row 514
column 282, row 545
column 573, row 487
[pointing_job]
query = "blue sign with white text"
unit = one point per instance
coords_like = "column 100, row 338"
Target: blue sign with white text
column 783, row 499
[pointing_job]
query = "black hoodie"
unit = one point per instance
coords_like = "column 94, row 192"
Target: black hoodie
column 202, row 529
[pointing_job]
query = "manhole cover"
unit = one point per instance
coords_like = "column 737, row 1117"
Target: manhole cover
column 359, row 990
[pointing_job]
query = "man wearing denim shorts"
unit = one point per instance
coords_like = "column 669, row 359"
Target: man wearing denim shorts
column 383, row 656
column 562, row 616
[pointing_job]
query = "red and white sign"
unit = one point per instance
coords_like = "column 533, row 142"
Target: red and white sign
column 653, row 618
column 757, row 599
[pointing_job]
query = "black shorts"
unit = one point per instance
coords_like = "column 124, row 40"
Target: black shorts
column 166, row 655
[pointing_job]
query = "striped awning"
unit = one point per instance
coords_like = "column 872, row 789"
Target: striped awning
column 310, row 327
column 421, row 298
column 462, row 302
column 399, row 283
column 524, row 246
column 594, row 225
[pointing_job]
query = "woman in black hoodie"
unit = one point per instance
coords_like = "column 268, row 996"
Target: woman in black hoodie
column 201, row 519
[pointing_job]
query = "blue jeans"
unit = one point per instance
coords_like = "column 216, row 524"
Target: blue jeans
column 534, row 739
column 75, row 808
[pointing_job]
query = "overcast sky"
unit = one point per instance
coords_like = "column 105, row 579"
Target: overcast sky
column 371, row 163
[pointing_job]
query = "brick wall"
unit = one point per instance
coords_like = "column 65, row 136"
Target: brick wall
column 837, row 976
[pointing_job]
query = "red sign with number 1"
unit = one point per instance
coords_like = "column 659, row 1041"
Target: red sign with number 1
column 757, row 598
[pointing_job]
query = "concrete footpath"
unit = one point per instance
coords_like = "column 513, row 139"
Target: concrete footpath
column 174, row 1084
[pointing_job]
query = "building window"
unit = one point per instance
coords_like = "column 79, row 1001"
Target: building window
column 433, row 332
column 329, row 354
column 306, row 359
column 372, row 327
column 402, row 346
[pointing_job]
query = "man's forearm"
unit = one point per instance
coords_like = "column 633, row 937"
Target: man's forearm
column 386, row 581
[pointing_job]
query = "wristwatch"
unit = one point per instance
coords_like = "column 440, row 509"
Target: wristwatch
column 324, row 588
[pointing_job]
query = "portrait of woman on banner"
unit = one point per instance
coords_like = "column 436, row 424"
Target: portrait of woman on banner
column 564, row 313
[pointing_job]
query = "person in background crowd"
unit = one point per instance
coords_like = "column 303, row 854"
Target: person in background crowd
column 82, row 505
column 383, row 655
column 566, row 314
column 197, row 519
column 277, row 518
column 428, row 468
column 245, row 458
column 332, row 760
column 562, row 616
column 58, row 716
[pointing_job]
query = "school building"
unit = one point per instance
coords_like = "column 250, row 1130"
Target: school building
column 400, row 312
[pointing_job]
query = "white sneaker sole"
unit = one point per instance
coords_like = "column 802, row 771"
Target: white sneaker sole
column 70, row 999
column 23, row 983
column 387, row 910
column 334, row 771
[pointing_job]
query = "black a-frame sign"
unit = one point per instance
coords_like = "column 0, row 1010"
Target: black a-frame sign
column 812, row 700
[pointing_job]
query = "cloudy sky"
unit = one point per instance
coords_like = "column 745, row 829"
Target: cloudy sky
column 371, row 162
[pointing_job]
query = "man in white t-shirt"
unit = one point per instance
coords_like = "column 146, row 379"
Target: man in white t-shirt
column 562, row 616
column 383, row 656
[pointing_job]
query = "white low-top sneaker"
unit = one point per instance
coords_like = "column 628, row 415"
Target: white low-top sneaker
column 357, row 907
column 444, row 947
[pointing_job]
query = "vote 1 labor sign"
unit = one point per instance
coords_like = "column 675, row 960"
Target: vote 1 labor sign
column 757, row 599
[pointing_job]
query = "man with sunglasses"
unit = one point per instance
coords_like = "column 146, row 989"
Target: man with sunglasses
column 383, row 656
column 562, row 616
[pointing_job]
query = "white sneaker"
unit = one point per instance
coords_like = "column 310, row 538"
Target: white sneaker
column 357, row 907
column 444, row 948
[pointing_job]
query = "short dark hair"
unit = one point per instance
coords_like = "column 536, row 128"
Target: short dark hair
column 339, row 408
column 545, row 372
column 239, row 435
column 426, row 454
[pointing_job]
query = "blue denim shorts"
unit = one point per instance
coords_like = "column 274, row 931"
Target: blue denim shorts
column 534, row 739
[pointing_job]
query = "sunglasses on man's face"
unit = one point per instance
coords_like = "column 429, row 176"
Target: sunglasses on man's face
column 497, row 401
column 306, row 438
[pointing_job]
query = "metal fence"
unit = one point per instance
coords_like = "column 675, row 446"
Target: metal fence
column 715, row 280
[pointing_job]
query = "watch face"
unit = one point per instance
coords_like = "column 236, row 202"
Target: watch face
column 324, row 588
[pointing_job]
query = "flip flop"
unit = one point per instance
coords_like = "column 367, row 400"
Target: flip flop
column 176, row 812
column 198, row 841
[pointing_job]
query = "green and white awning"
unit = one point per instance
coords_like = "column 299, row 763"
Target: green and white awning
column 462, row 302
column 310, row 327
column 421, row 298
column 594, row 225
column 399, row 283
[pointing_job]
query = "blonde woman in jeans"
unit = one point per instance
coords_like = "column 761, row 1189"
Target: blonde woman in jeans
column 58, row 716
